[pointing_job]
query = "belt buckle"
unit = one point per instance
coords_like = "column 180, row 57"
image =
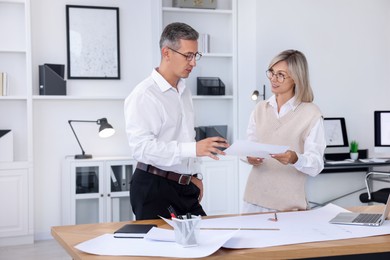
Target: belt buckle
column 184, row 179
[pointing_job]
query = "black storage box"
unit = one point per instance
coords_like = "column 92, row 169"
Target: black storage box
column 203, row 132
column 210, row 86
column 51, row 79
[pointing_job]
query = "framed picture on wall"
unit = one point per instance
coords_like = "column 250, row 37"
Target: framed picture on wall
column 92, row 42
column 335, row 132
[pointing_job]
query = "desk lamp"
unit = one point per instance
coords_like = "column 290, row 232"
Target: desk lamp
column 105, row 130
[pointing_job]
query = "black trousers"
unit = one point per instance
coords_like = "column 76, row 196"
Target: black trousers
column 151, row 195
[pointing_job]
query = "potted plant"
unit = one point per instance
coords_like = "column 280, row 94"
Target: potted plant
column 354, row 150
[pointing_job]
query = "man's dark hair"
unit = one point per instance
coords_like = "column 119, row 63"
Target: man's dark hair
column 175, row 32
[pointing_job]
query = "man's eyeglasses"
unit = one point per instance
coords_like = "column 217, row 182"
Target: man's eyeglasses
column 189, row 56
column 279, row 76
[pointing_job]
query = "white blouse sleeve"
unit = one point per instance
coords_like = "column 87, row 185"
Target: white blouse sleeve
column 311, row 162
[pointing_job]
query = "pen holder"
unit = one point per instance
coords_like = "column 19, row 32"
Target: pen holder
column 186, row 230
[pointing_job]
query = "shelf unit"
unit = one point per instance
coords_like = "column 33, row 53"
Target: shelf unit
column 96, row 190
column 16, row 177
column 221, row 60
column 36, row 97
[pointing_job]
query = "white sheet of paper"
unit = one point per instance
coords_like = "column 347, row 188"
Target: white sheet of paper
column 379, row 160
column 249, row 148
column 210, row 241
column 340, row 162
column 295, row 228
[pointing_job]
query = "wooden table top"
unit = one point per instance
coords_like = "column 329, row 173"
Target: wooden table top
column 69, row 236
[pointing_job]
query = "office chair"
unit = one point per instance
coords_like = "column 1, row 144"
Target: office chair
column 379, row 196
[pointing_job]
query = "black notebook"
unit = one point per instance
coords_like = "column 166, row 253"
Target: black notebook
column 133, row 230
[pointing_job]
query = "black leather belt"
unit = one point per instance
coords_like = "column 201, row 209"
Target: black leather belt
column 183, row 179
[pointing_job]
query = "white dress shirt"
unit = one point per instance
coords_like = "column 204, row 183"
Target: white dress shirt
column 311, row 162
column 160, row 125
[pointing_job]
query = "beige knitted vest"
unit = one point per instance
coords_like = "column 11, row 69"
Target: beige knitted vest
column 272, row 184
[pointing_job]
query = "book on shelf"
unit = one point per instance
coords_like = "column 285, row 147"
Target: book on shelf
column 3, row 84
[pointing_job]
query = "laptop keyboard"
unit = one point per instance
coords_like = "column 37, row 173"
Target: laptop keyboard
column 367, row 218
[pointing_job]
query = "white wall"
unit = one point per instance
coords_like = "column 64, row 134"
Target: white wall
column 53, row 138
column 346, row 43
column 347, row 46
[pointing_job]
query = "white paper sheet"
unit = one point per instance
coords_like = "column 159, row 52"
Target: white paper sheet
column 209, row 242
column 340, row 162
column 249, row 148
column 378, row 160
column 295, row 228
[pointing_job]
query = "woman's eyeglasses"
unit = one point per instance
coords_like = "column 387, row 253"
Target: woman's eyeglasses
column 280, row 77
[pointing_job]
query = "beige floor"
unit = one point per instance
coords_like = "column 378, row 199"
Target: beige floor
column 40, row 250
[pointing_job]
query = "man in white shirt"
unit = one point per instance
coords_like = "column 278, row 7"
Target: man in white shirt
column 159, row 118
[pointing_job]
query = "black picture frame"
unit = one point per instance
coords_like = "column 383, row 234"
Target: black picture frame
column 335, row 132
column 92, row 42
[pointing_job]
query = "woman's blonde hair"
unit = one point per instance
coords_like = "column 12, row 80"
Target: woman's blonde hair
column 298, row 69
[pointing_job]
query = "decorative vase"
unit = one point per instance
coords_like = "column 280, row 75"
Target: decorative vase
column 354, row 156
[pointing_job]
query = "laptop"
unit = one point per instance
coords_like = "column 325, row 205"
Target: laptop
column 362, row 219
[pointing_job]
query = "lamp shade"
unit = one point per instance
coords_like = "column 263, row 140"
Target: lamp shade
column 105, row 129
column 255, row 95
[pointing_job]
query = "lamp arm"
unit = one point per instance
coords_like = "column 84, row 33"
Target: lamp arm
column 263, row 95
column 70, row 123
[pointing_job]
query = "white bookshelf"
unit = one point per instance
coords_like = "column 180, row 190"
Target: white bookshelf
column 16, row 177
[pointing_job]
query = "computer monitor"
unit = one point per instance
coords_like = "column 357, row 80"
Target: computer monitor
column 382, row 133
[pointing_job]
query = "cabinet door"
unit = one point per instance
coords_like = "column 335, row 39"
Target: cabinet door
column 118, row 176
column 13, row 202
column 220, row 186
column 87, row 190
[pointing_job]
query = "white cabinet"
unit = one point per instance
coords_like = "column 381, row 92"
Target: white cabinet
column 96, row 190
column 220, row 61
column 16, row 177
column 220, row 186
column 15, row 217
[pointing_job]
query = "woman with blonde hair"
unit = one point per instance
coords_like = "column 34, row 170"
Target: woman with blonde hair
column 290, row 118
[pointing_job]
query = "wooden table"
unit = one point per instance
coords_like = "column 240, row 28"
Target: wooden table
column 69, row 236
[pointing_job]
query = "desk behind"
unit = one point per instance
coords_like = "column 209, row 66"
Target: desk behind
column 360, row 168
column 356, row 166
